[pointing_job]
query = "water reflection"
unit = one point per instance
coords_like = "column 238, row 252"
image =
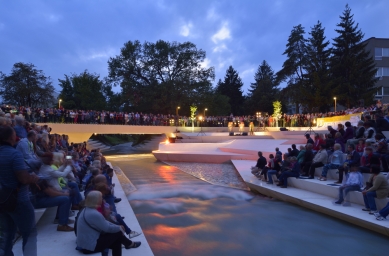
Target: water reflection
column 182, row 215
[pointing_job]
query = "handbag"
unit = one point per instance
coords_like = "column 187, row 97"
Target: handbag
column 8, row 198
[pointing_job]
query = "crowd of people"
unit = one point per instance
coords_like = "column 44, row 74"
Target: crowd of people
column 41, row 170
column 350, row 150
column 61, row 115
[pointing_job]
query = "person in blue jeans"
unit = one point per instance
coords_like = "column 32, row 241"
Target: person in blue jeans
column 275, row 169
column 381, row 215
column 354, row 183
column 294, row 172
column 336, row 160
column 46, row 196
column 379, row 189
column 14, row 174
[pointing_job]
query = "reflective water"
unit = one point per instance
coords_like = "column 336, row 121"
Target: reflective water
column 182, row 215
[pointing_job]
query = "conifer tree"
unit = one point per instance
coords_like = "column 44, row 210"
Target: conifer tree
column 231, row 87
column 353, row 70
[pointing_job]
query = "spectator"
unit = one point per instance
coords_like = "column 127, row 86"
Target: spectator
column 341, row 129
column 354, row 183
column 331, row 130
column 336, row 160
column 26, row 147
column 301, row 154
column 19, row 127
column 318, row 161
column 95, row 234
column 339, row 140
column 293, row 172
column 278, row 152
column 369, row 133
column 360, row 148
column 379, row 189
column 349, row 133
column 381, row 215
column 14, row 175
column 318, row 141
column 295, row 152
column 275, row 169
column 261, row 164
column 309, row 139
column 352, row 158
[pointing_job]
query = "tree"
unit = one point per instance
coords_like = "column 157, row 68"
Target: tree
column 353, row 71
column 263, row 91
column 293, row 68
column 317, row 82
column 232, row 88
column 160, row 76
column 83, row 91
column 27, row 86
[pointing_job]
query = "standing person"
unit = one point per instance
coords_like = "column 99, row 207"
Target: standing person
column 14, row 175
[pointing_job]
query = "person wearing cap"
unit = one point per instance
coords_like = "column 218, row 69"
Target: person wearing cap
column 354, row 183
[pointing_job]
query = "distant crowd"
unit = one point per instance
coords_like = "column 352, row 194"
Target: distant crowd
column 350, row 150
column 41, row 170
column 61, row 115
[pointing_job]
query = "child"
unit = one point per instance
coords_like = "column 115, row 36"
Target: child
column 360, row 147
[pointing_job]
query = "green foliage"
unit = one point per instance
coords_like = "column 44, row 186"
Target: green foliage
column 193, row 110
column 353, row 70
column 27, row 86
column 84, row 91
column 277, row 106
column 156, row 77
column 231, row 87
column 263, row 91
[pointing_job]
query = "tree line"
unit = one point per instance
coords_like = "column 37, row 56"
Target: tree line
column 158, row 77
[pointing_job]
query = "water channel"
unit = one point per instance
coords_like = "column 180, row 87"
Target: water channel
column 182, row 215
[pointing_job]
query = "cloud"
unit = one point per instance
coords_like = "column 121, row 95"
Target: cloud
column 212, row 15
column 206, row 63
column 222, row 34
column 97, row 55
column 220, row 48
column 247, row 72
column 186, row 29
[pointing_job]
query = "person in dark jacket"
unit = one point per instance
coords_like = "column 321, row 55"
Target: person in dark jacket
column 293, row 172
column 309, row 139
column 353, row 157
column 308, row 157
column 295, row 152
column 349, row 132
column 382, row 123
column 261, row 164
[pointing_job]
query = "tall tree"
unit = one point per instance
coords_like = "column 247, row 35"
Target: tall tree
column 160, row 76
column 317, row 79
column 231, row 87
column 27, row 86
column 293, row 68
column 263, row 91
column 83, row 91
column 353, row 70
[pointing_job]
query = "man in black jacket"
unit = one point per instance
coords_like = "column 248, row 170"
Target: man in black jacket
column 353, row 157
column 261, row 164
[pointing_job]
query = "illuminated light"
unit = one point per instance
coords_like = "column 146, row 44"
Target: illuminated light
column 167, row 141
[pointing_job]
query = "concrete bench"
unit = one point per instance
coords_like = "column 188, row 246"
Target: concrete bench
column 39, row 213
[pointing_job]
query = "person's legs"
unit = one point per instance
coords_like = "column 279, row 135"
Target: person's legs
column 313, row 167
column 385, row 211
column 121, row 222
column 113, row 241
column 7, row 231
column 371, row 200
column 341, row 170
column 326, row 167
column 110, row 199
column 270, row 173
column 63, row 203
column 24, row 217
column 77, row 198
column 341, row 199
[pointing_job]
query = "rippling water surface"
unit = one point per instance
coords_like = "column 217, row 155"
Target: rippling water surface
column 182, row 215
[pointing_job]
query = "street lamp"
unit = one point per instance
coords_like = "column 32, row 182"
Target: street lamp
column 177, row 108
column 177, row 111
column 335, row 103
column 204, row 111
column 59, row 103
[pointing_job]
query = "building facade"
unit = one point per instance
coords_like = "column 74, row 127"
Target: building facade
column 379, row 50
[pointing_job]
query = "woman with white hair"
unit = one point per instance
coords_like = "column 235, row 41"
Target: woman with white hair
column 95, row 233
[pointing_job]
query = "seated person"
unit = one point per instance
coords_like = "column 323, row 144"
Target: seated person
column 113, row 216
column 381, row 215
column 301, row 154
column 360, row 148
column 261, row 164
column 293, row 172
column 318, row 161
column 382, row 150
column 318, row 141
column 354, row 183
column 367, row 160
column 379, row 189
column 339, row 140
column 308, row 157
column 295, row 152
column 274, row 169
column 309, row 139
column 349, row 132
column 26, row 147
column 47, row 196
column 336, row 160
column 352, row 158
column 95, row 233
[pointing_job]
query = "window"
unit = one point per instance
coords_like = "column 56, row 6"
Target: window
column 381, row 52
column 386, row 90
column 382, row 71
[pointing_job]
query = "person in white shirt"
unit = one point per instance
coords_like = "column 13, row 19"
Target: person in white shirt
column 354, row 183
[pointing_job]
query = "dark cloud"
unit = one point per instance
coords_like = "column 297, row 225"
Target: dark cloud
column 64, row 37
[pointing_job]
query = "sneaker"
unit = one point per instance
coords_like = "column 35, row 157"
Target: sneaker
column 377, row 214
column 366, row 209
column 133, row 245
column 117, row 200
column 134, row 234
column 380, row 218
column 338, row 202
column 64, row 228
column 373, row 212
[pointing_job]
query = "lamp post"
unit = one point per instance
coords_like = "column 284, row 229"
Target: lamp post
column 335, row 104
column 177, row 111
column 59, row 103
column 177, row 108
